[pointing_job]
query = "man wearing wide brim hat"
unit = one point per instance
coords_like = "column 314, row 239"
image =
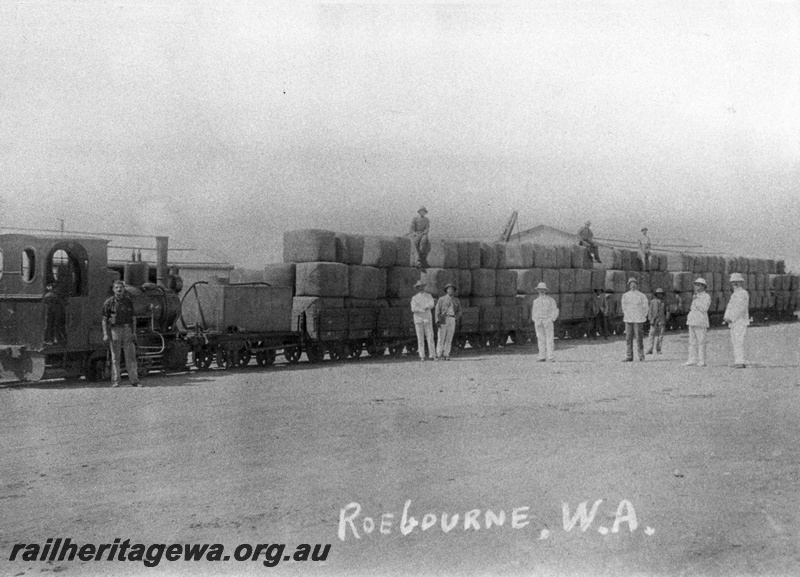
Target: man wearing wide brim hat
column 634, row 314
column 448, row 311
column 697, row 322
column 420, row 226
column 737, row 315
column 421, row 305
column 586, row 238
column 644, row 250
column 544, row 313
column 658, row 315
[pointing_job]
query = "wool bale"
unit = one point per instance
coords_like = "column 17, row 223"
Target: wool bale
column 550, row 278
column 280, row 274
column 474, row 252
column 482, row 301
column 505, row 283
column 400, row 281
column 483, row 282
column 488, row 253
column 366, row 282
column 566, row 280
column 463, row 254
column 519, row 255
column 544, row 256
column 751, row 281
column 437, row 278
column 580, row 257
column 567, row 306
column 761, row 281
column 616, row 281
column 598, row 279
column 681, row 281
column 527, row 279
column 506, row 301
column 607, row 255
column 316, row 303
column 380, row 251
column 582, row 309
column 405, row 253
column 464, row 283
column 563, row 256
column 780, row 267
column 309, row 245
column 403, row 302
column 583, row 280
column 321, row 279
column 710, row 285
column 349, row 248
column 678, row 261
column 500, row 250
column 786, row 282
column 443, row 253
column 525, row 305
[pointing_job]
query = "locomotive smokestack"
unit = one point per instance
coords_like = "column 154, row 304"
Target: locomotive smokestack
column 162, row 247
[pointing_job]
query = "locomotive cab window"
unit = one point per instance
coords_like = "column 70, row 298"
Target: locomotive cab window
column 28, row 265
column 67, row 272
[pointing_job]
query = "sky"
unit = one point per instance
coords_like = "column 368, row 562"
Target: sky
column 225, row 124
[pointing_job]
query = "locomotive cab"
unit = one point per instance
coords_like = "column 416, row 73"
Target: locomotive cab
column 50, row 291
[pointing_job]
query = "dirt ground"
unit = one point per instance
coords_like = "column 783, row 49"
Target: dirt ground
column 707, row 459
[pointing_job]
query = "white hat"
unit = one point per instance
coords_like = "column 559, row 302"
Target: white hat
column 420, row 284
column 541, row 286
column 737, row 277
column 701, row 281
column 633, row 279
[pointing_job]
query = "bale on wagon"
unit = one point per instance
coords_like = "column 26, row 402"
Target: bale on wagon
column 321, row 279
column 309, row 245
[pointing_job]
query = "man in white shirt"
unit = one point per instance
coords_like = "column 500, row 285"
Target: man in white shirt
column 737, row 315
column 421, row 305
column 544, row 313
column 697, row 321
column 644, row 250
column 634, row 314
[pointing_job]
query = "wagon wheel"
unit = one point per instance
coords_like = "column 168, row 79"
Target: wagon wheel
column 412, row 348
column 461, row 341
column 337, row 351
column 292, row 354
column 202, row 358
column 396, row 350
column 375, row 349
column 315, row 351
column 98, row 370
column 265, row 358
column 243, row 357
column 225, row 358
column 500, row 339
column 559, row 332
column 476, row 341
column 354, row 349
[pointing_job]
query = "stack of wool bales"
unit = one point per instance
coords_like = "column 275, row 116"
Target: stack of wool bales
column 344, row 271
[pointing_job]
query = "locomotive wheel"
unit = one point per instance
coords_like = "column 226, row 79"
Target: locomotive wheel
column 265, row 358
column 354, row 349
column 337, row 351
column 224, row 358
column 292, row 355
column 202, row 358
column 315, row 352
column 375, row 349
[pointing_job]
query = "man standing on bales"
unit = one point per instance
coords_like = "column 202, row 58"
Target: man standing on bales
column 644, row 250
column 544, row 313
column 634, row 314
column 420, row 226
column 586, row 238
column 421, row 305
column 737, row 315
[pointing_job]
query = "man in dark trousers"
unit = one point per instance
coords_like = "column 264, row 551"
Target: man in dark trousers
column 118, row 331
column 420, row 226
column 586, row 238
